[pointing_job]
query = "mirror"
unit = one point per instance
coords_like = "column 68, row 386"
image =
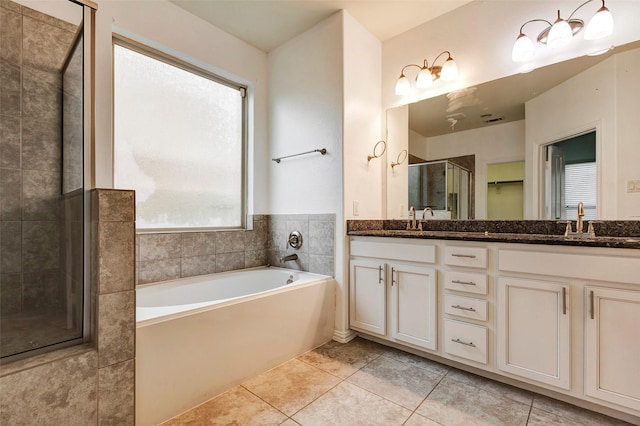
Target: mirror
column 512, row 119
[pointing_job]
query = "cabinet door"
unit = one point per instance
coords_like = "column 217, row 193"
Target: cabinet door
column 533, row 330
column 414, row 316
column 613, row 346
column 367, row 296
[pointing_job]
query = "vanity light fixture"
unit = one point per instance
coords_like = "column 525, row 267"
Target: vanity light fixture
column 400, row 159
column 375, row 154
column 562, row 31
column 428, row 74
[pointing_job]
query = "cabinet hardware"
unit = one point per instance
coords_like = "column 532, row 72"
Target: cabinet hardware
column 379, row 274
column 393, row 279
column 463, row 343
column 463, row 282
column 464, row 308
column 470, row 256
column 564, row 301
column 592, row 304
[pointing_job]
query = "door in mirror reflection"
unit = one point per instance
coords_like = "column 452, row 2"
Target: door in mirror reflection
column 570, row 177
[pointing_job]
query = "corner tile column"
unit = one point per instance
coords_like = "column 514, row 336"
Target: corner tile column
column 113, row 224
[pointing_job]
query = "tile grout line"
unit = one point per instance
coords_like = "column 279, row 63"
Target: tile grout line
column 427, row 397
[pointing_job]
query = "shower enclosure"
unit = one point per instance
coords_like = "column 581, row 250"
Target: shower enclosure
column 43, row 217
column 441, row 186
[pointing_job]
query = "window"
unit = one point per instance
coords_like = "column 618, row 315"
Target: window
column 179, row 141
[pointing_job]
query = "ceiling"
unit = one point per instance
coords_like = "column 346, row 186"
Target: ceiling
column 267, row 24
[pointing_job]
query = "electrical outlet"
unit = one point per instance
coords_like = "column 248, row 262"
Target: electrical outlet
column 631, row 186
column 356, row 207
column 637, row 186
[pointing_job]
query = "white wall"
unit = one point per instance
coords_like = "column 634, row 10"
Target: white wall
column 170, row 29
column 397, row 194
column 493, row 144
column 605, row 98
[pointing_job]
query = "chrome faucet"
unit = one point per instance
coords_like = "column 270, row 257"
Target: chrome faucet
column 411, row 224
column 288, row 258
column 424, row 212
column 579, row 223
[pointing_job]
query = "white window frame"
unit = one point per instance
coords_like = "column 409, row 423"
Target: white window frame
column 186, row 66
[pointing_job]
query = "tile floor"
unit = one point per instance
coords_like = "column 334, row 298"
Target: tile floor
column 364, row 383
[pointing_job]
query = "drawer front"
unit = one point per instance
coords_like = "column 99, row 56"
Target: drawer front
column 467, row 307
column 466, row 340
column 397, row 249
column 466, row 281
column 470, row 257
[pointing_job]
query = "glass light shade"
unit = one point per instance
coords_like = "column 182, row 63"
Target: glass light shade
column 403, row 87
column 559, row 34
column 449, row 70
column 424, row 79
column 523, row 49
column 600, row 25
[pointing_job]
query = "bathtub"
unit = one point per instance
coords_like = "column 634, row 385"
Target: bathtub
column 198, row 337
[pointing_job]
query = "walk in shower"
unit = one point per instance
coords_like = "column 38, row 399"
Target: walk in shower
column 43, row 208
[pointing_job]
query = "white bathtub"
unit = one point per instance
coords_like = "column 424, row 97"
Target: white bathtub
column 197, row 337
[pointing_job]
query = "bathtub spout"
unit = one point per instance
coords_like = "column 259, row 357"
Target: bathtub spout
column 289, row 257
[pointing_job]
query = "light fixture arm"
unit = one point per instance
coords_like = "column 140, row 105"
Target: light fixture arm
column 410, row 65
column 588, row 1
column 535, row 20
column 442, row 53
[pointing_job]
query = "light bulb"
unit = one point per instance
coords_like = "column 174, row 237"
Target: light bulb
column 403, row 87
column 600, row 25
column 449, row 70
column 559, row 34
column 424, row 79
column 523, row 49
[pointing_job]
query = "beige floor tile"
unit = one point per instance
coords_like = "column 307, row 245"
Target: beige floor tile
column 573, row 414
column 343, row 359
column 399, row 382
column 416, row 360
column 289, row 422
column 235, row 407
column 418, row 420
column 457, row 403
column 349, row 405
column 502, row 389
column 291, row 385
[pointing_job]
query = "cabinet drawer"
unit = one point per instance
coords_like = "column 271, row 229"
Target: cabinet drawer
column 471, row 257
column 396, row 249
column 466, row 340
column 467, row 307
column 465, row 281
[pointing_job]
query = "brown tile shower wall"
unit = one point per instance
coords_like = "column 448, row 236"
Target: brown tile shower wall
column 92, row 383
column 34, row 46
column 167, row 256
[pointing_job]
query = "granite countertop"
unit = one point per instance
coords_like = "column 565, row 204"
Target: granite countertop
column 615, row 234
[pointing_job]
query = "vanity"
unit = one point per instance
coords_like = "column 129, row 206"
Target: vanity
column 515, row 301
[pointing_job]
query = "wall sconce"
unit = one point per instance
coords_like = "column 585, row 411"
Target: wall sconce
column 562, row 31
column 383, row 144
column 400, row 159
column 428, row 74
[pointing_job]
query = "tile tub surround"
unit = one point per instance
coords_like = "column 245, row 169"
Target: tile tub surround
column 609, row 233
column 92, row 383
column 362, row 382
column 168, row 256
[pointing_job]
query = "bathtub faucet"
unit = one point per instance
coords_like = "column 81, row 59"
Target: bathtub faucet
column 289, row 257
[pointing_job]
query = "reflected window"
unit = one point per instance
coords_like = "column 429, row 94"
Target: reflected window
column 179, row 141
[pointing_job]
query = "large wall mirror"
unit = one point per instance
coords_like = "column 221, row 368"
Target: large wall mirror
column 539, row 142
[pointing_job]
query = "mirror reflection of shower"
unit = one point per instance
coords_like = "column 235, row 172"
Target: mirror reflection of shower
column 571, row 177
column 42, row 189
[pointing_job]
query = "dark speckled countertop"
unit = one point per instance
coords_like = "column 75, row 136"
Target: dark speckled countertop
column 609, row 233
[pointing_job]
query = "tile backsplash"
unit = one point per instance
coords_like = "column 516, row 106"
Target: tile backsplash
column 167, row 256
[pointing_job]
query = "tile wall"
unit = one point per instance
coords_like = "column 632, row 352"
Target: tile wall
column 167, row 256
column 93, row 383
column 30, row 160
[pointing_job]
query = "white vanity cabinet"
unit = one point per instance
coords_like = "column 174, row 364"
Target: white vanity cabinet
column 612, row 345
column 533, row 330
column 393, row 290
